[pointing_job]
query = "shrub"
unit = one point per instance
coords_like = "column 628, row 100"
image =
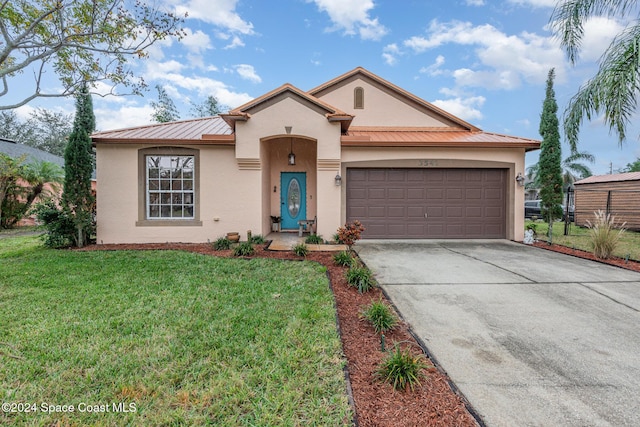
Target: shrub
column 244, row 249
column 336, row 238
column 301, row 249
column 343, row 258
column 350, row 233
column 381, row 316
column 361, row 278
column 59, row 225
column 314, row 239
column 401, row 368
column 222, row 244
column 258, row 239
column 605, row 233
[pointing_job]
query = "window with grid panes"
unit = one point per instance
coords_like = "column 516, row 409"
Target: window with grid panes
column 170, row 187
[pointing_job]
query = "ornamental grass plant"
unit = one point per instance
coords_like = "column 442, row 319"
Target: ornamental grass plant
column 605, row 234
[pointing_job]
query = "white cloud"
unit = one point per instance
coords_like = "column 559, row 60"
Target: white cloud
column 172, row 66
column 177, row 84
column 475, row 2
column 353, row 17
column 196, row 42
column 221, row 13
column 599, row 32
column 434, row 69
column 235, row 42
column 465, row 108
column 247, row 72
column 123, row 117
column 390, row 53
column 505, row 60
column 535, row 3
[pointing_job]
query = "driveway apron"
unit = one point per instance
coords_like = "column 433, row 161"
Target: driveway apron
column 530, row 337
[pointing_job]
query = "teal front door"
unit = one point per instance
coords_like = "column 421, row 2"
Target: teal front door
column 293, row 198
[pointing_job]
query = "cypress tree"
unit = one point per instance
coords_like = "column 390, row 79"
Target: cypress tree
column 549, row 178
column 77, row 200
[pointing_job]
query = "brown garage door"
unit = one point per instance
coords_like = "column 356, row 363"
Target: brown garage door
column 428, row 203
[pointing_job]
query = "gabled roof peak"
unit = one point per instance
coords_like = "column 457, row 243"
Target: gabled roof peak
column 319, row 90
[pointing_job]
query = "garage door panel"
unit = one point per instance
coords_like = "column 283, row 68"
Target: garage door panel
column 453, row 194
column 492, row 212
column 398, row 212
column 418, row 229
column 396, row 193
column 473, row 212
column 435, row 193
column 459, row 203
column 454, row 212
column 434, row 212
column 376, row 175
column 415, row 212
column 376, row 193
column 492, row 193
column 397, row 175
column 473, row 194
column 415, row 193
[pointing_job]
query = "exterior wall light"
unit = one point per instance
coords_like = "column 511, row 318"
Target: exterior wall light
column 520, row 179
column 338, row 180
column 292, row 156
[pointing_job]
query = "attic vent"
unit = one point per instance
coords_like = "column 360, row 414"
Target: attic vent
column 358, row 98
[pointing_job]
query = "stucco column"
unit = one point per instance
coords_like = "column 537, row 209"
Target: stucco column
column 329, row 194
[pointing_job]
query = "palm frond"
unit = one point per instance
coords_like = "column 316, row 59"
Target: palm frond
column 568, row 18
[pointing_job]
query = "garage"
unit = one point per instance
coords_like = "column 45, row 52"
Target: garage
column 428, row 203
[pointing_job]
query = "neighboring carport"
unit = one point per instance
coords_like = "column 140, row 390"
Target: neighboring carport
column 530, row 337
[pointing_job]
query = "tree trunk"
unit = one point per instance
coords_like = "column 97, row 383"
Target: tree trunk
column 80, row 236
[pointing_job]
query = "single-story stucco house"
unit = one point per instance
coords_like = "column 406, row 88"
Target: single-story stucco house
column 356, row 147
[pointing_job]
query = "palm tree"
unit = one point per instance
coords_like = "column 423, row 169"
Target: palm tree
column 38, row 174
column 573, row 169
column 28, row 183
column 612, row 91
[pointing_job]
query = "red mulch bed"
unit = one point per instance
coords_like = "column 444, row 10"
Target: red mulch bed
column 433, row 403
column 618, row 262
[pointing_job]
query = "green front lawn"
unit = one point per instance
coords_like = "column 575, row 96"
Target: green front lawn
column 578, row 238
column 184, row 339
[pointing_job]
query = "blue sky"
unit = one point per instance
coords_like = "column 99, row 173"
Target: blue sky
column 482, row 60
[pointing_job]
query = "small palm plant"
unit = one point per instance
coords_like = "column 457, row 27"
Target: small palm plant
column 361, row 278
column 222, row 244
column 343, row 258
column 402, row 368
column 381, row 316
column 244, row 249
column 301, row 249
column 314, row 239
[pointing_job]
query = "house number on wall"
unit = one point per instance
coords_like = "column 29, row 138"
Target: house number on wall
column 428, row 163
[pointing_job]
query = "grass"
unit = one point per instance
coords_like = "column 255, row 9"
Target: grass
column 189, row 339
column 578, row 238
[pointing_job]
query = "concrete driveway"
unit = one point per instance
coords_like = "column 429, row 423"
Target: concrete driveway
column 530, row 337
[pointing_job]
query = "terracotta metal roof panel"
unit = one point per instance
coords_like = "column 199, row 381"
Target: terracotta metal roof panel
column 185, row 130
column 617, row 177
column 437, row 136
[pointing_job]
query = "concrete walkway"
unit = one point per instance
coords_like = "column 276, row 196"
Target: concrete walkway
column 530, row 337
column 284, row 241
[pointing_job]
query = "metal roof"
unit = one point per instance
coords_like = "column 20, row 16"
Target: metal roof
column 616, row 177
column 184, row 130
column 433, row 137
